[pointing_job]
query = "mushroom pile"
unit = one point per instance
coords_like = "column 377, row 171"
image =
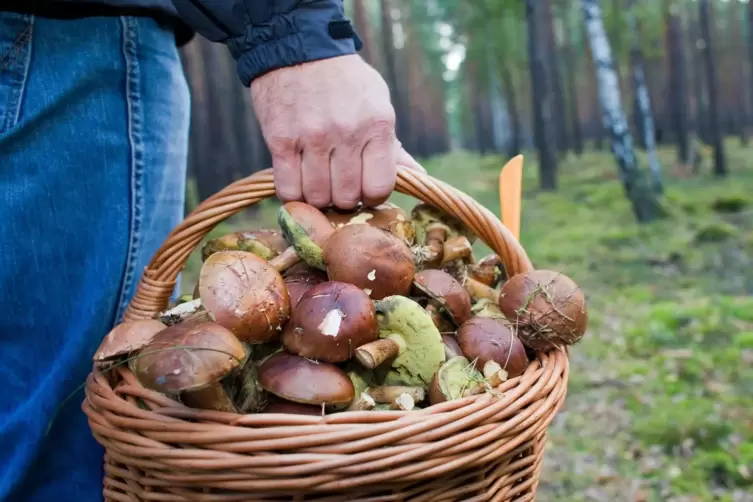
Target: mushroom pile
column 369, row 309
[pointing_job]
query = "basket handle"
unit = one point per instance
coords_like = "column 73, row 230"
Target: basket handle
column 158, row 281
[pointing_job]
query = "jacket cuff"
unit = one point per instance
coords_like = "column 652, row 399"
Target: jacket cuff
column 313, row 31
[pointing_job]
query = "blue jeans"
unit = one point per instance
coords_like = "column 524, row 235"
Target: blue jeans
column 94, row 118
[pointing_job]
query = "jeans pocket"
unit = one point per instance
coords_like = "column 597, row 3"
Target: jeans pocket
column 15, row 56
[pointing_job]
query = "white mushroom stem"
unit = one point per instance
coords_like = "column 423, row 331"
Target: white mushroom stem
column 494, row 373
column 285, row 260
column 375, row 353
column 389, row 393
column 404, row 402
column 362, row 402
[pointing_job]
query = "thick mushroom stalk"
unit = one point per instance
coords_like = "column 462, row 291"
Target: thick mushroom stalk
column 457, row 378
column 444, row 294
column 244, row 294
column 409, row 340
column 331, row 320
column 489, row 270
column 190, row 360
column 263, row 243
column 303, row 381
column 433, row 227
column 307, row 229
column 548, row 308
column 371, row 258
column 387, row 216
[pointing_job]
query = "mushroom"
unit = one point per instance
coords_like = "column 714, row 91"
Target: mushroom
column 457, row 248
column 433, row 227
column 288, row 407
column 307, row 229
column 299, row 279
column 191, row 360
column 245, row 294
column 409, row 339
column 301, row 380
column 451, row 347
column 263, row 243
column 389, row 393
column 489, row 270
column 485, row 339
column 251, row 396
column 444, row 293
column 370, row 258
column 548, row 308
column 126, row 338
column 487, row 308
column 456, row 378
column 331, row 320
column 362, row 402
column 387, row 216
column 191, row 310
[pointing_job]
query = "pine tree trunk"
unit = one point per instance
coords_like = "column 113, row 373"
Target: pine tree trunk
column 542, row 105
column 390, row 63
column 555, row 79
column 637, row 188
column 678, row 94
column 361, row 21
column 515, row 144
column 715, row 133
column 572, row 89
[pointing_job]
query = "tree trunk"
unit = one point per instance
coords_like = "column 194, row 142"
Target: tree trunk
column 555, row 79
column 643, row 199
column 361, row 21
column 644, row 116
column 541, row 100
column 572, row 89
column 678, row 94
column 749, row 113
column 390, row 65
column 699, row 109
column 515, row 144
column 715, row 134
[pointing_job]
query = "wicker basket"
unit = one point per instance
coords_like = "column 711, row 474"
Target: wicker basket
column 481, row 448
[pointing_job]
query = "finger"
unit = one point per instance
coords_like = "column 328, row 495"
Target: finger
column 287, row 176
column 407, row 160
column 315, row 176
column 345, row 171
column 379, row 171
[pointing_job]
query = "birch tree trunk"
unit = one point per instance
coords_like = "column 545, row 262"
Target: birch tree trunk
column 644, row 113
column 644, row 201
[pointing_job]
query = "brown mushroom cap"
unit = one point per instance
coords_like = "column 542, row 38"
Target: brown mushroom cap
column 307, row 229
column 187, row 356
column 127, row 337
column 485, row 339
column 371, row 258
column 244, row 294
column 263, row 243
column 387, row 216
column 444, row 289
column 299, row 279
column 548, row 307
column 330, row 322
column 301, row 380
column 489, row 270
column 292, row 408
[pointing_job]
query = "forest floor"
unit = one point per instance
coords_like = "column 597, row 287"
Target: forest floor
column 660, row 400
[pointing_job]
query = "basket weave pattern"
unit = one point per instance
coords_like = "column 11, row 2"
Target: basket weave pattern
column 481, row 448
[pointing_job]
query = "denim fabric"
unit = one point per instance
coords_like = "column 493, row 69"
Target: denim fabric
column 93, row 146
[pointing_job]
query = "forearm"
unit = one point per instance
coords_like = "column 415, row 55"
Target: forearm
column 264, row 35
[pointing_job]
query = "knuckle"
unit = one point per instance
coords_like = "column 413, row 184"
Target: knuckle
column 281, row 145
column 316, row 136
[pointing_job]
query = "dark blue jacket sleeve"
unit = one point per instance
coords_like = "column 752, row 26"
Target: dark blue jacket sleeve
column 264, row 35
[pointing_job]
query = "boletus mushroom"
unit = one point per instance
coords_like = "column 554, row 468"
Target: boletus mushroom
column 371, row 258
column 303, row 381
column 191, row 360
column 387, row 216
column 299, row 279
column 331, row 320
column 263, row 243
column 307, row 229
column 451, row 346
column 433, row 227
column 548, row 307
column 456, row 378
column 489, row 270
column 484, row 339
column 245, row 294
column 409, row 340
column 126, row 338
column 288, row 407
column 444, row 293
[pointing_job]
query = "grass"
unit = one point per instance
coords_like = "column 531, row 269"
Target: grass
column 660, row 402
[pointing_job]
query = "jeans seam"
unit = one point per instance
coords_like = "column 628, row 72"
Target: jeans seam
column 134, row 114
column 13, row 114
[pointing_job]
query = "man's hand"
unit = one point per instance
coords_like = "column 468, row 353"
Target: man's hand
column 330, row 127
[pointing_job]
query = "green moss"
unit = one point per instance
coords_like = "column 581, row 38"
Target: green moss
column 716, row 231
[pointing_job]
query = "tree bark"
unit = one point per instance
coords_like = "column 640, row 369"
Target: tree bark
column 678, row 93
column 541, row 100
column 555, row 78
column 390, row 64
column 572, row 89
column 361, row 21
column 644, row 201
column 715, row 134
column 516, row 134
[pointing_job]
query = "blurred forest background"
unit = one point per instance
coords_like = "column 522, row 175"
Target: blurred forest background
column 634, row 117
